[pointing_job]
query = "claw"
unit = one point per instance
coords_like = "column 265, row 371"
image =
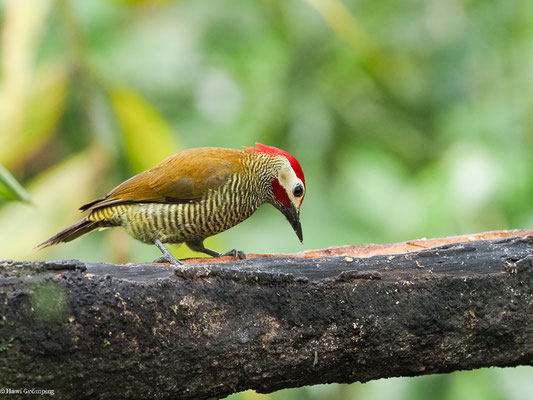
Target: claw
column 237, row 254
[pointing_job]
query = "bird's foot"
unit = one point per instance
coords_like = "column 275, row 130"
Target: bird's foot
column 167, row 259
column 237, row 254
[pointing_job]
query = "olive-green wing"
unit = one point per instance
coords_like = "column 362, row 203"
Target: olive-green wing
column 181, row 178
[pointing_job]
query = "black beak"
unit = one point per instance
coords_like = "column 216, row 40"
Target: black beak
column 293, row 216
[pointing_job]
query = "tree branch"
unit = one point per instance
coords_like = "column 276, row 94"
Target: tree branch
column 147, row 331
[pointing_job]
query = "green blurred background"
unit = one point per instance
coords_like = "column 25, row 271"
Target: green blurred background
column 410, row 118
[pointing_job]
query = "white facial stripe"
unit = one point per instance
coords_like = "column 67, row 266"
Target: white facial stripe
column 288, row 179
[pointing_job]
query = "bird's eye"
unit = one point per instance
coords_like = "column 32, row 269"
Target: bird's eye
column 298, row 191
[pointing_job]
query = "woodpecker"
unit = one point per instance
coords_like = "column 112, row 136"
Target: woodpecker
column 195, row 194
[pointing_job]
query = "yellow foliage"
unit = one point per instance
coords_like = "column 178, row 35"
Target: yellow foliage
column 148, row 139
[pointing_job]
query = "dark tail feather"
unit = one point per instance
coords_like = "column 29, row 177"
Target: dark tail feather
column 74, row 231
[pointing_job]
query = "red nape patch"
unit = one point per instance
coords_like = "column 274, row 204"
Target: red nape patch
column 280, row 193
column 274, row 151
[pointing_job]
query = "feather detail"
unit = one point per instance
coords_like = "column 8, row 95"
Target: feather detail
column 184, row 177
column 74, row 231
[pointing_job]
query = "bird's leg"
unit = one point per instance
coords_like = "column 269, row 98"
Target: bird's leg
column 166, row 257
column 198, row 246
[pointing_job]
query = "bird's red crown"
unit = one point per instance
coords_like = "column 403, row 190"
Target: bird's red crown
column 274, row 151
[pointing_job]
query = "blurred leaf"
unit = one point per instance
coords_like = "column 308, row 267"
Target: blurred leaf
column 22, row 27
column 10, row 189
column 148, row 138
column 45, row 106
column 57, row 194
column 42, row 111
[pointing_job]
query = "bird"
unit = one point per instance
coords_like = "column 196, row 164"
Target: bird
column 195, row 194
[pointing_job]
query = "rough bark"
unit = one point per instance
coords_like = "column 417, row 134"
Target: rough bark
column 205, row 331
